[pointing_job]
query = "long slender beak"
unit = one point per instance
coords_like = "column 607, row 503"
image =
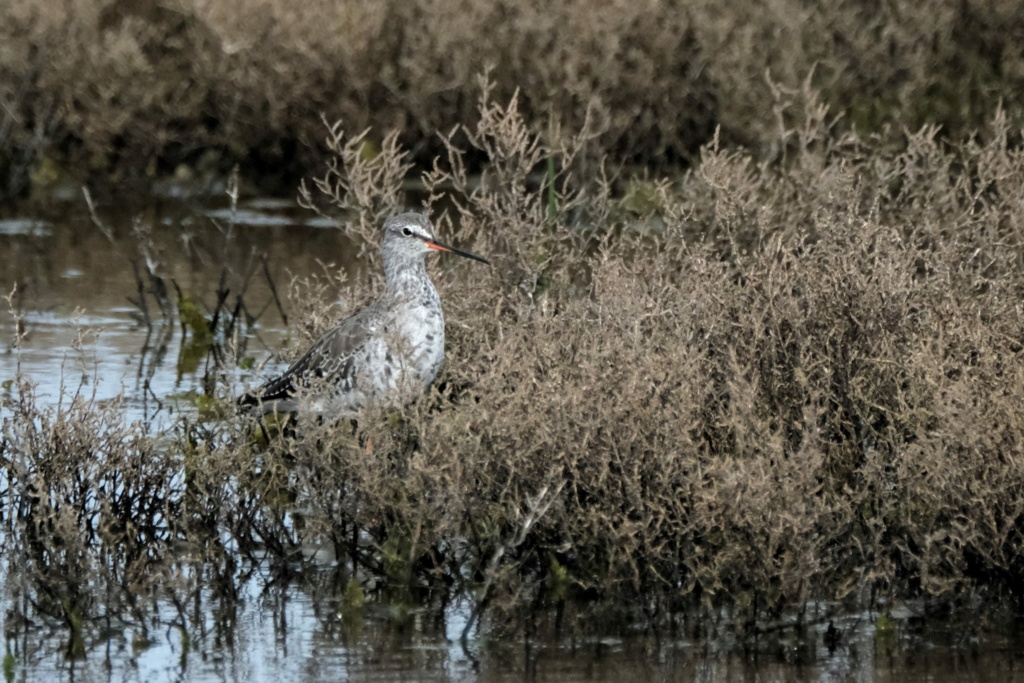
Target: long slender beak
column 441, row 246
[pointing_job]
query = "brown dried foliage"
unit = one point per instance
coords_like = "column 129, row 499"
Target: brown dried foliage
column 772, row 383
column 90, row 503
column 766, row 382
column 112, row 84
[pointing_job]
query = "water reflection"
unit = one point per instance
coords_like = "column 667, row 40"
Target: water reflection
column 297, row 632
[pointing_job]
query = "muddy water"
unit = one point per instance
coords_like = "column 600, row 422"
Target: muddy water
column 76, row 314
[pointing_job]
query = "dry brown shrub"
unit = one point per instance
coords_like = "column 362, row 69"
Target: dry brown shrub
column 882, row 66
column 770, row 380
column 780, row 382
column 116, row 84
column 125, row 79
column 90, row 505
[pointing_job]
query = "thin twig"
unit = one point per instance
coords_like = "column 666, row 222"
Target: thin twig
column 537, row 506
column 107, row 232
column 273, row 291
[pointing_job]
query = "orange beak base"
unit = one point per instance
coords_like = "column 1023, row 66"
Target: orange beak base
column 441, row 246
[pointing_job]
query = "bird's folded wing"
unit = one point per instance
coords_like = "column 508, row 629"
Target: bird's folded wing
column 328, row 360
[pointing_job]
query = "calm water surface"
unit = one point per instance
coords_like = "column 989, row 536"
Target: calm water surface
column 73, row 280
column 74, row 285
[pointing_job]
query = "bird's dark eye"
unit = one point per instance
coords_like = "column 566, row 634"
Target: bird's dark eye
column 406, row 231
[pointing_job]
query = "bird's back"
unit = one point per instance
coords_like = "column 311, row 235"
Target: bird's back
column 328, row 370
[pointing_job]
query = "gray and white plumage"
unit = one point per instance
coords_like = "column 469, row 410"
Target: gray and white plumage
column 388, row 352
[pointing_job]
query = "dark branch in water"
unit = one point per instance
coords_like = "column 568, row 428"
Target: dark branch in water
column 273, row 290
column 140, row 302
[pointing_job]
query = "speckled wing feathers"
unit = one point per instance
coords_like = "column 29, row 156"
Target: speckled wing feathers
column 330, row 360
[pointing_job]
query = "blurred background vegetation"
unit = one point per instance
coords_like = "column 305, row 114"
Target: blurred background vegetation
column 116, row 91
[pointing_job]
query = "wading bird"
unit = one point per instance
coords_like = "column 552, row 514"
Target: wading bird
column 388, row 352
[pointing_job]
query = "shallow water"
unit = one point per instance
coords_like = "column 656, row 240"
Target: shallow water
column 293, row 634
column 69, row 278
column 80, row 331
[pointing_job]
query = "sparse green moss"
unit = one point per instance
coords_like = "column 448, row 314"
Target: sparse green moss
column 194, row 320
column 886, row 636
column 355, row 597
column 394, row 553
column 557, row 579
column 141, row 642
column 642, row 197
column 76, row 637
column 10, row 667
column 186, row 645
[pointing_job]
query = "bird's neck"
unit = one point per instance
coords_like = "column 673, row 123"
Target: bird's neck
column 408, row 278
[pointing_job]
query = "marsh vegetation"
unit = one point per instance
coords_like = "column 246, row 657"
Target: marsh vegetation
column 751, row 345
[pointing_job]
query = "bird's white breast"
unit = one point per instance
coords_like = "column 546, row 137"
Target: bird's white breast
column 422, row 330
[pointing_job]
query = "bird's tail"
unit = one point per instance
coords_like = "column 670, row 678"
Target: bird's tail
column 248, row 402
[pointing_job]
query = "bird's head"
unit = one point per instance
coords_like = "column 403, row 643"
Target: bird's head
column 409, row 235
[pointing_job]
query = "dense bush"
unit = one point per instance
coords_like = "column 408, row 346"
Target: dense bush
column 770, row 382
column 792, row 371
column 754, row 386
